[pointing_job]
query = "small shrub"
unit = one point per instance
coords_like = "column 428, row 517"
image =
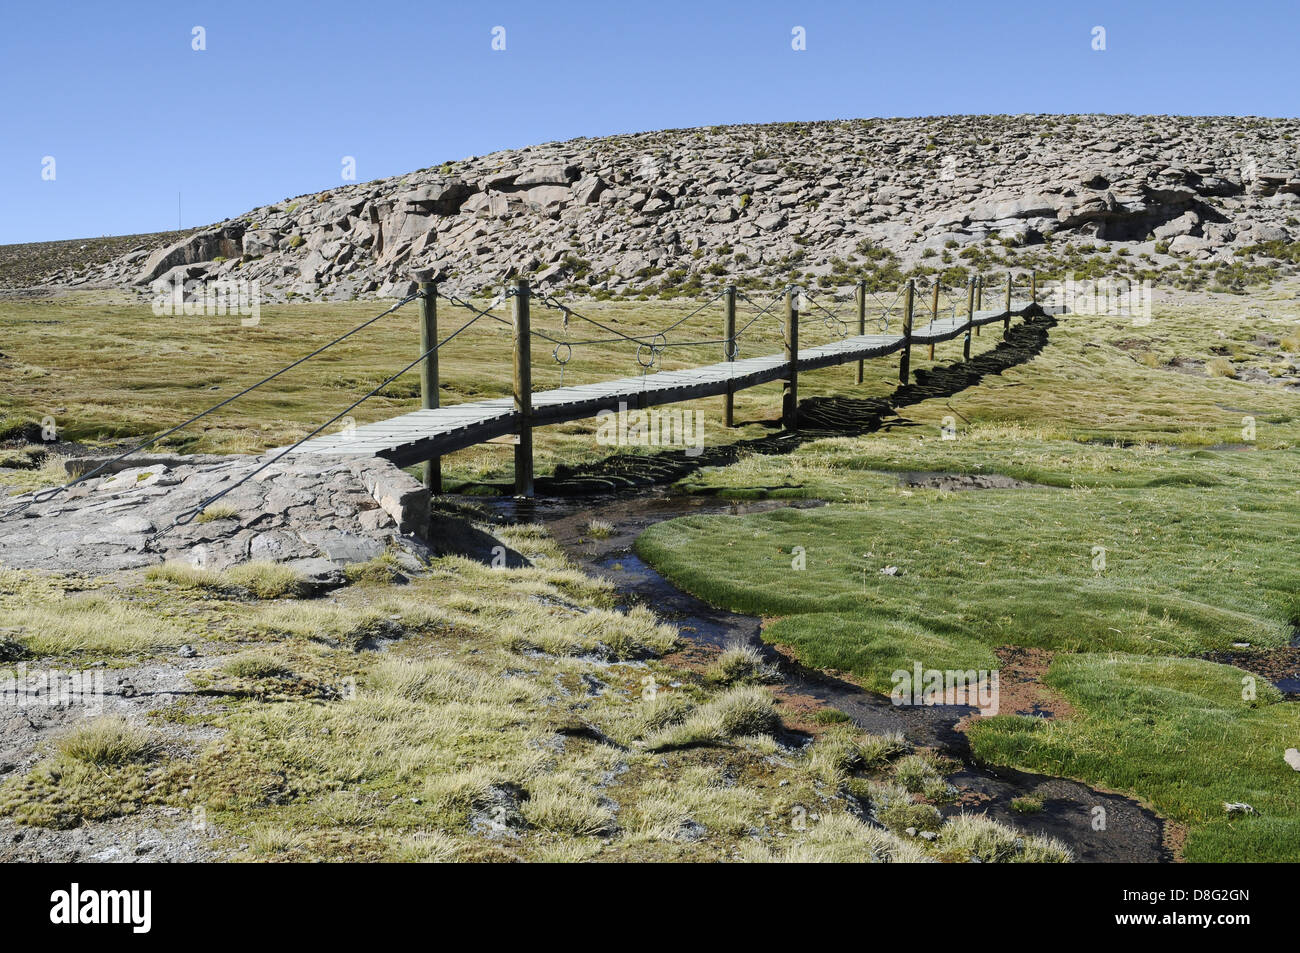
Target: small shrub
column 600, row 529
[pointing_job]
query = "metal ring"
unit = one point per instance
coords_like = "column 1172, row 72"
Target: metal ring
column 654, row 355
column 730, row 349
column 568, row 353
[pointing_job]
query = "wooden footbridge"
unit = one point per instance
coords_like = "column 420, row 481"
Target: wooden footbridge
column 426, row 435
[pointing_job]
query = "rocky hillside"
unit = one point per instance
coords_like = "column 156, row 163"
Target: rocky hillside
column 666, row 212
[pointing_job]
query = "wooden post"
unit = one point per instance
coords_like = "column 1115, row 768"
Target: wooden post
column 979, row 299
column 429, row 372
column 970, row 316
column 790, row 387
column 861, row 295
column 1006, row 325
column 729, row 350
column 934, row 310
column 1033, row 287
column 523, row 389
column 905, row 359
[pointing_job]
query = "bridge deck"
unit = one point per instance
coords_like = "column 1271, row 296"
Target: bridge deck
column 422, row 434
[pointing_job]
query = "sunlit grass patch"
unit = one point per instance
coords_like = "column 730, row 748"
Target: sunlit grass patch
column 102, row 769
column 91, row 625
column 218, row 511
column 975, row 837
column 742, row 664
column 1185, row 734
column 108, row 742
column 262, row 579
column 745, row 710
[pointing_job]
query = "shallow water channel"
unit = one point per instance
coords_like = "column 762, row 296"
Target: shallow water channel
column 1131, row 832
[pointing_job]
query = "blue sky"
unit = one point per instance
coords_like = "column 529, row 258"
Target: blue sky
column 134, row 117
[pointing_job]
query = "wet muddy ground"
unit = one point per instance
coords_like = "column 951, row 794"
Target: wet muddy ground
column 1098, row 826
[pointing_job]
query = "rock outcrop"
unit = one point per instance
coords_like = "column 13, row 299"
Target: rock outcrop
column 317, row 515
column 628, row 213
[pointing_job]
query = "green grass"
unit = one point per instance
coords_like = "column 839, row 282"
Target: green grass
column 1144, row 543
column 1176, row 731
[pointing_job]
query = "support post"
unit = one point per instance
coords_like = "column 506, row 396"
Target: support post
column 970, row 317
column 861, row 295
column 1006, row 325
column 790, row 387
column 905, row 359
column 1033, row 287
column 979, row 299
column 934, row 309
column 729, row 350
column 523, row 389
column 429, row 372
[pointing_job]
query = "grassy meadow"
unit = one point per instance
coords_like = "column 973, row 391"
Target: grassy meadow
column 509, row 717
column 1156, row 528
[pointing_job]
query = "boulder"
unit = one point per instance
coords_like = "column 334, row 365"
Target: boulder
column 224, row 242
column 552, row 173
column 443, row 196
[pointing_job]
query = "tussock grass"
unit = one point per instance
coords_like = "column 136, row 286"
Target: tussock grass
column 263, row 579
column 218, row 511
column 266, row 580
column 91, row 626
column 744, row 710
column 380, row 570
column 842, row 751
column 561, row 805
column 974, row 836
column 107, row 742
column 840, row 839
column 253, row 665
column 1220, row 367
column 742, row 665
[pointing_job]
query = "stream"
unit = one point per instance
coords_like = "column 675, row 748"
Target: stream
column 1131, row 833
